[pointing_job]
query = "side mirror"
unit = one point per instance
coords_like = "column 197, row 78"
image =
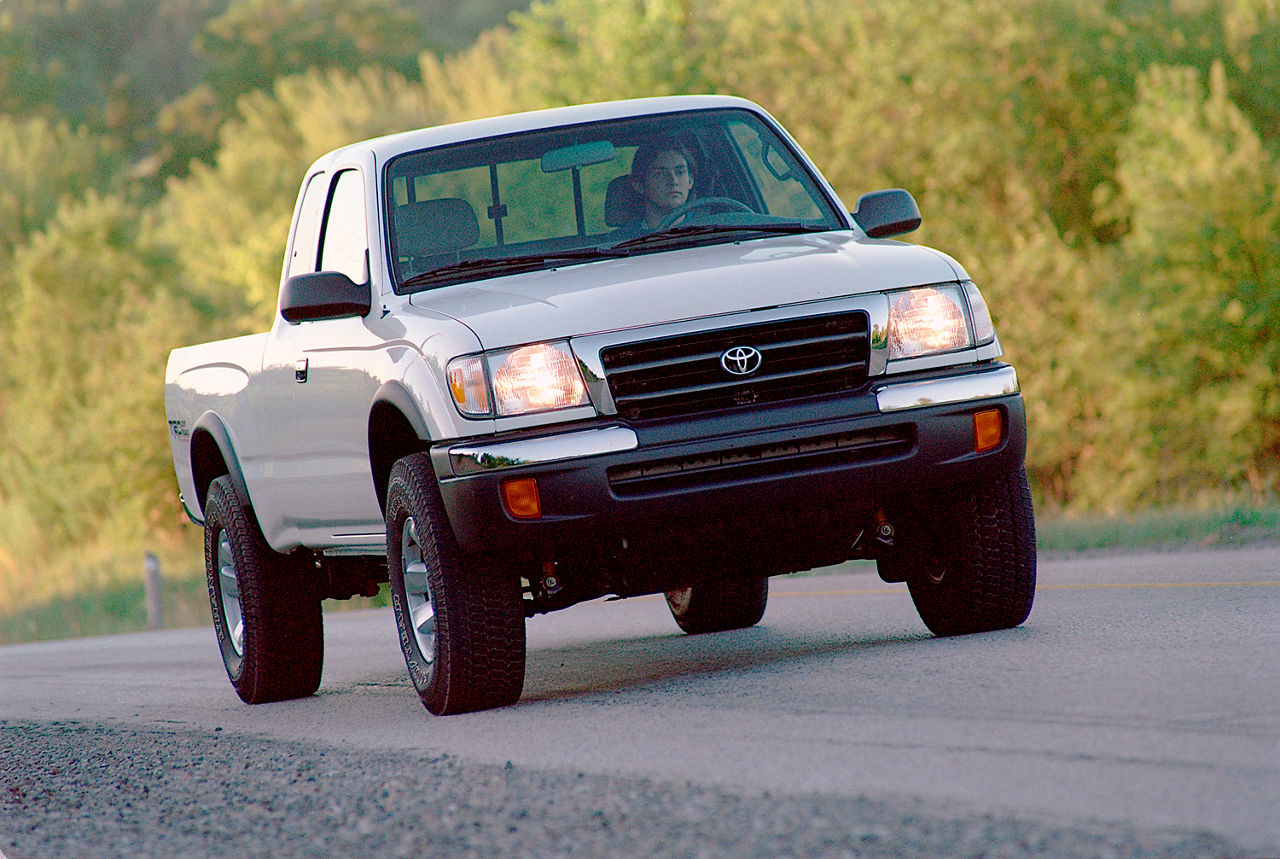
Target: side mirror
column 887, row 213
column 323, row 295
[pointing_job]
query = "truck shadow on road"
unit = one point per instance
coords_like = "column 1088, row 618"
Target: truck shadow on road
column 605, row 667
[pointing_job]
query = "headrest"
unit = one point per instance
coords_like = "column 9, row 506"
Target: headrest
column 621, row 203
column 436, row 227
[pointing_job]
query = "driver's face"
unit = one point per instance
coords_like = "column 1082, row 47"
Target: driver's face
column 667, row 182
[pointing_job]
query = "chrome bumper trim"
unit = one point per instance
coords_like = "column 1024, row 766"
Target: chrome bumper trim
column 938, row 392
column 474, row 458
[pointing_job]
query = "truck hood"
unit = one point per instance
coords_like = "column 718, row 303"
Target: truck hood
column 691, row 283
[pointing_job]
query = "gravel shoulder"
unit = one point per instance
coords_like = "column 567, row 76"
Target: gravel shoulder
column 69, row 789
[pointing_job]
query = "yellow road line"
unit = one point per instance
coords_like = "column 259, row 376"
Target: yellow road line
column 1075, row 587
column 844, row 593
column 1116, row 586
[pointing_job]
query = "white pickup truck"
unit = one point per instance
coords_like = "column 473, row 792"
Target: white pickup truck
column 607, row 350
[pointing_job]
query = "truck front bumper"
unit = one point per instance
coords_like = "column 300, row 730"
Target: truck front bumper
column 602, row 491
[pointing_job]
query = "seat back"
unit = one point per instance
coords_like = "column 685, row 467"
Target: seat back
column 433, row 227
column 621, row 203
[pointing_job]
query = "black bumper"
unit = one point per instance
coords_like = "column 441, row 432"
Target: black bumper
column 783, row 487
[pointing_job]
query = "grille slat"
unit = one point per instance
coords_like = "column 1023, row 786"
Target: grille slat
column 682, row 375
column 723, row 467
column 711, row 388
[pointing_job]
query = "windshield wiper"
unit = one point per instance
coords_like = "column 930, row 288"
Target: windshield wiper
column 498, row 266
column 693, row 230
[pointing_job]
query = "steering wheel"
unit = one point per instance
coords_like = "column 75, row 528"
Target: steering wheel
column 720, row 204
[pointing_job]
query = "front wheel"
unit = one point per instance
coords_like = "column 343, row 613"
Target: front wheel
column 266, row 610
column 719, row 605
column 461, row 627
column 977, row 572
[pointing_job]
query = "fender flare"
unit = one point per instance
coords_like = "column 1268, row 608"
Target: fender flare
column 396, row 395
column 393, row 437
column 211, row 425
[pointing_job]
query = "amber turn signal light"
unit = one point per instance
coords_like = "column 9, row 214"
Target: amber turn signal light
column 521, row 498
column 988, row 430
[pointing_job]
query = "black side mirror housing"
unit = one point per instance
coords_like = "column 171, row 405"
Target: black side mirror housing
column 323, row 295
column 887, row 213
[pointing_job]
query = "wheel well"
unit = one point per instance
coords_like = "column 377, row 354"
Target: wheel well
column 391, row 437
column 207, row 464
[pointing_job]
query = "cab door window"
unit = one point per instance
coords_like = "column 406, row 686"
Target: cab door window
column 344, row 244
column 306, row 235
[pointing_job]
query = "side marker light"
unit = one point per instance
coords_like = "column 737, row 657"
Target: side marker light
column 520, row 496
column 988, row 430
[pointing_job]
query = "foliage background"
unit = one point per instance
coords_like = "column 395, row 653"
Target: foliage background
column 1108, row 170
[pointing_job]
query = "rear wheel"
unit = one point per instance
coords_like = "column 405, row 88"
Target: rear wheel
column 720, row 605
column 972, row 566
column 461, row 628
column 266, row 609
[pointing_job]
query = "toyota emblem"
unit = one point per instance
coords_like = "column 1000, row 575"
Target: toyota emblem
column 741, row 360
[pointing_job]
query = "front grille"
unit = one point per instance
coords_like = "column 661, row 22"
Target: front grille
column 683, row 375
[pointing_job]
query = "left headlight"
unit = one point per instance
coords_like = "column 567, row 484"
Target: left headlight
column 540, row 377
column 935, row 319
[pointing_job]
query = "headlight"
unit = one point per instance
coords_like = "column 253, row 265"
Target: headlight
column 926, row 321
column 537, row 378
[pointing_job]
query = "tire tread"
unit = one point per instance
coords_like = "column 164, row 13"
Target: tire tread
column 284, row 623
column 480, row 636
column 985, row 550
column 721, row 605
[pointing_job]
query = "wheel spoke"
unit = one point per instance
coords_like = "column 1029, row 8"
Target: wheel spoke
column 423, row 618
column 415, row 578
column 229, row 586
column 228, row 582
column 417, row 589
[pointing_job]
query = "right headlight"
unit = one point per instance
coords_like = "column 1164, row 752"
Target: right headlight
column 934, row 319
column 540, row 377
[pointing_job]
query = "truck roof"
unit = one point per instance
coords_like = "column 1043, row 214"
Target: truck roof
column 386, row 147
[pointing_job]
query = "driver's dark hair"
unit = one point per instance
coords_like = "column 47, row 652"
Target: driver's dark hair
column 649, row 151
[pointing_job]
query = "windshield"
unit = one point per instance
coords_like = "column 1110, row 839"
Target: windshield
column 572, row 195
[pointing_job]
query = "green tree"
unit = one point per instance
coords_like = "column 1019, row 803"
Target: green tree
column 42, row 163
column 1201, row 290
column 255, row 42
column 87, row 346
column 107, row 64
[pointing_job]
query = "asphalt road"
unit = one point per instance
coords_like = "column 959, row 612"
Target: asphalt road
column 1137, row 712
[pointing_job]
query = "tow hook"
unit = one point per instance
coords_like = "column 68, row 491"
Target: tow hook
column 550, row 583
column 884, row 531
column 875, row 541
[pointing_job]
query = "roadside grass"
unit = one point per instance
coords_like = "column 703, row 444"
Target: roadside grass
column 119, row 604
column 1159, row 529
column 121, row 607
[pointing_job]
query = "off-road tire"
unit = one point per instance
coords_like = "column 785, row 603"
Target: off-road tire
column 971, row 566
column 719, row 605
column 273, row 641
column 471, row 617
